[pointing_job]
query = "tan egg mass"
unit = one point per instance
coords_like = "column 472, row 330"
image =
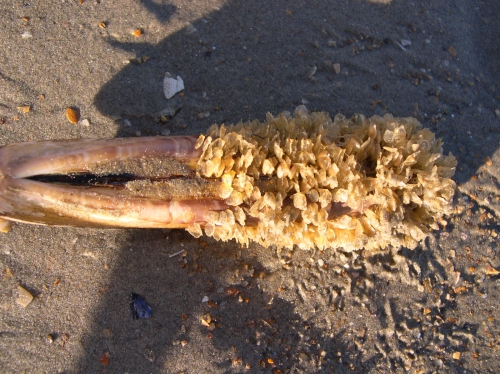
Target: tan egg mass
column 306, row 180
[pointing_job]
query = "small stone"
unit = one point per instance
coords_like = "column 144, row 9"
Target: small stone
column 85, row 122
column 24, row 108
column 26, row 35
column 456, row 355
column 336, row 68
column 24, row 298
column 137, row 33
column 497, row 113
column 165, row 132
column 5, row 225
column 104, row 359
column 205, row 299
column 452, row 51
column 73, row 115
column 405, row 42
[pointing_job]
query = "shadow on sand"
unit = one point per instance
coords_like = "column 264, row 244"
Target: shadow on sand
column 245, row 59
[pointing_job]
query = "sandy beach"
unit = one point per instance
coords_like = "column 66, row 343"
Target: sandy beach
column 218, row 307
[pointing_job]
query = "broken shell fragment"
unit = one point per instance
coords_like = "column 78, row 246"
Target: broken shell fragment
column 171, row 85
column 293, row 180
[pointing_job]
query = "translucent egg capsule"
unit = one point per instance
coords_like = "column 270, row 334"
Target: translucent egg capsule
column 267, row 167
column 313, row 161
column 224, row 190
column 208, row 169
column 323, row 159
column 235, row 199
column 300, row 201
column 195, row 230
column 240, row 215
column 313, row 195
column 199, row 142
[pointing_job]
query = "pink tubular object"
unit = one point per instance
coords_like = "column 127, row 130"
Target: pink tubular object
column 33, row 201
column 23, row 160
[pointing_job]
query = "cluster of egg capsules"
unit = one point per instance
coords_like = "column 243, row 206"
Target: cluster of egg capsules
column 308, row 181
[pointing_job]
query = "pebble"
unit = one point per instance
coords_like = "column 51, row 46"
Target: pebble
column 73, row 115
column 452, row 51
column 137, row 32
column 24, row 298
column 405, row 42
column 336, row 68
column 85, row 122
column 205, row 299
column 165, row 132
column 139, row 307
column 24, row 108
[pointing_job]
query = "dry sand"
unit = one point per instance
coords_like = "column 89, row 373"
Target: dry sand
column 433, row 309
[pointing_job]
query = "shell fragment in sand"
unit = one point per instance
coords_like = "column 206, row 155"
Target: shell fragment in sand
column 171, row 86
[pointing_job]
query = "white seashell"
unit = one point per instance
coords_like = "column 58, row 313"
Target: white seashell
column 172, row 86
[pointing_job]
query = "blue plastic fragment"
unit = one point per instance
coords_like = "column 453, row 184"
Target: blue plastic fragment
column 139, row 307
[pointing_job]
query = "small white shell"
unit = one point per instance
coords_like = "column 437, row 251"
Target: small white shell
column 171, row 86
